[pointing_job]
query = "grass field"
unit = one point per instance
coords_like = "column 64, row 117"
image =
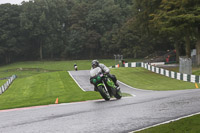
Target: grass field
column 57, row 65
column 29, row 68
column 40, row 83
column 43, row 89
column 142, row 78
column 2, row 82
column 186, row 125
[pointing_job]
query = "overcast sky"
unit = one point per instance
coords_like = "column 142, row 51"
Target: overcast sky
column 12, row 1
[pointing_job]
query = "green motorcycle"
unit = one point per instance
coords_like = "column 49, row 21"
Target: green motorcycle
column 105, row 85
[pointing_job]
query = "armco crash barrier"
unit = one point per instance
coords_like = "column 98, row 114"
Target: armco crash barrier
column 4, row 87
column 171, row 74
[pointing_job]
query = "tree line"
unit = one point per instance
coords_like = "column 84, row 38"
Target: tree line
column 88, row 29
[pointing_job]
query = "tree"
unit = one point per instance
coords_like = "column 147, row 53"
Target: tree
column 63, row 28
column 9, row 32
column 46, row 23
column 34, row 23
column 179, row 18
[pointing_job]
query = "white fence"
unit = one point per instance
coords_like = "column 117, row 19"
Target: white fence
column 4, row 87
column 171, row 74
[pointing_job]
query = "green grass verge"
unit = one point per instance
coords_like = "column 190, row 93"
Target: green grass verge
column 43, row 89
column 40, row 83
column 55, row 65
column 29, row 68
column 196, row 70
column 2, row 82
column 144, row 79
column 186, row 125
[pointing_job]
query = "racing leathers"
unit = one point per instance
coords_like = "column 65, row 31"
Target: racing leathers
column 106, row 71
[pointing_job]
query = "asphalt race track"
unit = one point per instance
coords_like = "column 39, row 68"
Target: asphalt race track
column 143, row 109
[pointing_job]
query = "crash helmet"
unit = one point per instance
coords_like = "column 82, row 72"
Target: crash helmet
column 95, row 63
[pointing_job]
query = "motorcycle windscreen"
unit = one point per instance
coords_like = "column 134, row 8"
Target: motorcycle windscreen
column 95, row 71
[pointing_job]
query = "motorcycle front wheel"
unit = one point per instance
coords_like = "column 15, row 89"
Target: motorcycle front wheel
column 118, row 94
column 104, row 93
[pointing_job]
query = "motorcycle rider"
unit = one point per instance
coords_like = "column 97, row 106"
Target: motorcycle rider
column 105, row 70
column 75, row 67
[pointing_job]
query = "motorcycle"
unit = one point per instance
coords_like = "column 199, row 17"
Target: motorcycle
column 105, row 85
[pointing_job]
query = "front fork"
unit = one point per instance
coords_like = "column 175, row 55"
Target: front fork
column 103, row 84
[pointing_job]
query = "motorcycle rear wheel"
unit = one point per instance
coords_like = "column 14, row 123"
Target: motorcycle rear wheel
column 104, row 93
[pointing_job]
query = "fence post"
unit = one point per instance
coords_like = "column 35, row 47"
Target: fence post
column 1, row 90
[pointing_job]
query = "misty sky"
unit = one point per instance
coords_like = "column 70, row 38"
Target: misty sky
column 11, row 1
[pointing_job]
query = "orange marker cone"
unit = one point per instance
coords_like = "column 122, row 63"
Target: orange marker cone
column 196, row 85
column 56, row 102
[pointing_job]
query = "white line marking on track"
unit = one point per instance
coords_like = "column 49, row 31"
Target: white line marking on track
column 76, row 81
column 166, row 122
column 133, row 95
column 132, row 87
column 124, row 84
column 127, row 86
